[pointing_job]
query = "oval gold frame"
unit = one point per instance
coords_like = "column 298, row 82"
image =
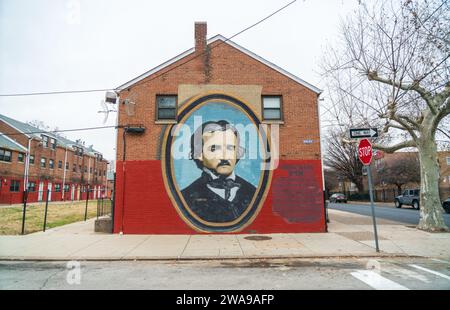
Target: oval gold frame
column 171, row 186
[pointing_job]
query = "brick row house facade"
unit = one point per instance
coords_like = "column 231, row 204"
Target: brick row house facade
column 35, row 160
column 184, row 161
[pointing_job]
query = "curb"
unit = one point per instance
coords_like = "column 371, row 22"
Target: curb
column 200, row 258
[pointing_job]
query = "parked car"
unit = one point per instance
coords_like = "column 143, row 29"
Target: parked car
column 446, row 205
column 410, row 197
column 338, row 197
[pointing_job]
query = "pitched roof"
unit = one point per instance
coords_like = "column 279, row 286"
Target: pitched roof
column 10, row 144
column 231, row 43
column 34, row 132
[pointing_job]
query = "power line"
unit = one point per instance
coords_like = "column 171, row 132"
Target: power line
column 148, row 80
column 55, row 131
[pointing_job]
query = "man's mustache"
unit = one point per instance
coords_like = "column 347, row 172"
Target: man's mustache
column 224, row 162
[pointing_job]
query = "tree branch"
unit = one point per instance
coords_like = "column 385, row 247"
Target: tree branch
column 373, row 76
column 396, row 147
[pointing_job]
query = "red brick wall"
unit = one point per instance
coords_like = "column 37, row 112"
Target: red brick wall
column 15, row 170
column 147, row 205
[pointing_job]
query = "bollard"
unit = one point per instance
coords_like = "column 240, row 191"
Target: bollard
column 46, row 208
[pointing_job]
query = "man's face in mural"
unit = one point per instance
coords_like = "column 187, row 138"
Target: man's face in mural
column 219, row 152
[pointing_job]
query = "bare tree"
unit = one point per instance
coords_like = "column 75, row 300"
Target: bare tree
column 399, row 170
column 41, row 125
column 331, row 180
column 391, row 70
column 342, row 158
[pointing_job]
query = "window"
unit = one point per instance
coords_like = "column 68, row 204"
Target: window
column 271, row 107
column 66, row 187
column 43, row 162
column 85, row 169
column 167, row 107
column 20, row 157
column 448, row 161
column 31, row 186
column 53, row 143
column 74, row 168
column 15, row 186
column 31, row 159
column 5, row 155
column 57, row 188
column 44, row 141
column 67, row 165
column 79, row 168
column 60, row 164
column 90, row 170
column 51, row 163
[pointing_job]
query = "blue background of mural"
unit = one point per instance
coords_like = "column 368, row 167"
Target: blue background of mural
column 185, row 169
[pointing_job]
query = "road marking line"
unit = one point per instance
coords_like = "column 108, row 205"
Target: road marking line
column 377, row 281
column 408, row 273
column 431, row 271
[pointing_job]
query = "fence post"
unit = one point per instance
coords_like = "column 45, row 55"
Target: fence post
column 87, row 199
column 25, row 198
column 46, row 207
column 98, row 208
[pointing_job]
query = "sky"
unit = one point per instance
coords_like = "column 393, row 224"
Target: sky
column 49, row 45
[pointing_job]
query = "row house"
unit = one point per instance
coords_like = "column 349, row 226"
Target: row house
column 37, row 162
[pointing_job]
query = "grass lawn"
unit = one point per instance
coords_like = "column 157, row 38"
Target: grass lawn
column 58, row 214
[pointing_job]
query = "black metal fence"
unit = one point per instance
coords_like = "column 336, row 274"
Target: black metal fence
column 91, row 197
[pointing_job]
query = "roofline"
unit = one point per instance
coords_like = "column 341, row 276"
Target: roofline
column 219, row 37
column 14, row 127
column 14, row 142
column 61, row 140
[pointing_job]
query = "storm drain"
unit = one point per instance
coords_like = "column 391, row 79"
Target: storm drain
column 258, row 238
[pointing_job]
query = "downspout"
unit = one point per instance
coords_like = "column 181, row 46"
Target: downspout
column 321, row 164
column 27, row 166
column 64, row 174
column 89, row 175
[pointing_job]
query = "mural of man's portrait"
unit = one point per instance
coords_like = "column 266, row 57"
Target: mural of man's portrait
column 212, row 163
column 218, row 195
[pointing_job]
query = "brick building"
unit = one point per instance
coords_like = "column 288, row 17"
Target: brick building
column 223, row 85
column 64, row 167
column 382, row 159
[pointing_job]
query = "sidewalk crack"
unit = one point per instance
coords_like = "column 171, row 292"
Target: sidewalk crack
column 185, row 246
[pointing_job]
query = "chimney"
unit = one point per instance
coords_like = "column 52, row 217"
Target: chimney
column 200, row 37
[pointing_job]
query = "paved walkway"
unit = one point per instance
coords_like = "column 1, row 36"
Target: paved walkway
column 350, row 235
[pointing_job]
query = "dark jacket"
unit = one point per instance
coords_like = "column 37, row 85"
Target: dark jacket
column 213, row 208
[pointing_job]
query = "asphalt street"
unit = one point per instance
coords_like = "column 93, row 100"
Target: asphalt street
column 405, row 214
column 346, row 274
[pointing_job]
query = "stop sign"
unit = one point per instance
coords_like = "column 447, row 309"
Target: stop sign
column 365, row 152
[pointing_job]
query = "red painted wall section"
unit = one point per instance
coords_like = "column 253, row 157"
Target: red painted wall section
column 294, row 203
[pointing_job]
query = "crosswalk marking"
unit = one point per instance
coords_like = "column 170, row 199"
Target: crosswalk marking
column 431, row 271
column 407, row 273
column 376, row 281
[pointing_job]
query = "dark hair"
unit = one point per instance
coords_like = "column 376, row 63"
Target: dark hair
column 212, row 126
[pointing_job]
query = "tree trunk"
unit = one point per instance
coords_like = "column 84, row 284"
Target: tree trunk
column 431, row 218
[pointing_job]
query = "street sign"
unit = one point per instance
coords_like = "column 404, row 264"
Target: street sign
column 357, row 133
column 365, row 152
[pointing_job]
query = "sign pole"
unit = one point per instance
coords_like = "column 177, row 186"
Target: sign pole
column 365, row 154
column 369, row 175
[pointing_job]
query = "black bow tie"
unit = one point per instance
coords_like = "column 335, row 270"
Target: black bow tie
column 222, row 183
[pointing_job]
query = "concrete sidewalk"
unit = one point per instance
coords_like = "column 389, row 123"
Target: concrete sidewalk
column 350, row 235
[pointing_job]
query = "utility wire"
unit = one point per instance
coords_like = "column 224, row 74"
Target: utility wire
column 148, row 80
column 55, row 131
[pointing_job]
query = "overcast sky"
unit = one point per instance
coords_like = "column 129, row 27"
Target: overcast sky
column 48, row 45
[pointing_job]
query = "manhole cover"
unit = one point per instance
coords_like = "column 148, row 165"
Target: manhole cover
column 258, row 238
